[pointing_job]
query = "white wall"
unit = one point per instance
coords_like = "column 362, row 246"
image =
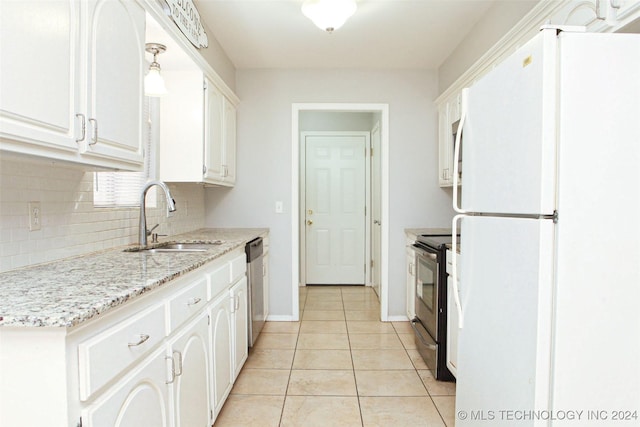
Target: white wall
column 497, row 21
column 215, row 55
column 70, row 224
column 335, row 121
column 264, row 160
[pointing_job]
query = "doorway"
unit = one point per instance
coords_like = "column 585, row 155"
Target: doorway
column 375, row 266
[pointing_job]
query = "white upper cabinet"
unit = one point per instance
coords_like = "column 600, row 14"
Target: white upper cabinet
column 197, row 130
column 229, row 143
column 448, row 115
column 71, row 81
column 220, row 137
column 114, row 75
column 213, row 133
column 39, row 54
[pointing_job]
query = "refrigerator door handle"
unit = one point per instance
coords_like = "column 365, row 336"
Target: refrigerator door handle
column 456, row 148
column 454, row 267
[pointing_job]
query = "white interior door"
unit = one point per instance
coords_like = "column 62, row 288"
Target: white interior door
column 335, row 209
column 376, row 192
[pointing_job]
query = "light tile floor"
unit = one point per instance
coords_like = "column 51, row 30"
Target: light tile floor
column 338, row 366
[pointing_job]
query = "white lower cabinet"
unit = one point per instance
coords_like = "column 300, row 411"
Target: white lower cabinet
column 189, row 354
column 411, row 283
column 452, row 320
column 166, row 359
column 239, row 307
column 452, row 330
column 265, row 283
column 141, row 399
column 221, row 346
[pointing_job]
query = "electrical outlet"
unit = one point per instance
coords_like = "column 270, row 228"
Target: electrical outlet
column 35, row 216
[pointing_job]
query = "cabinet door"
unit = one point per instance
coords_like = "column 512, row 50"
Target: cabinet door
column 213, row 133
column 39, row 56
column 444, row 148
column 265, row 284
column 411, row 284
column 221, row 350
column 240, row 331
column 142, row 400
column 181, row 155
column 115, row 32
column 452, row 329
column 190, row 352
column 229, row 169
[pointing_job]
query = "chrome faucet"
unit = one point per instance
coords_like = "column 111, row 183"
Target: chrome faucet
column 171, row 207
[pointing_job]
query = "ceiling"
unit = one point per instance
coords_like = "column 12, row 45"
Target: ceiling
column 396, row 34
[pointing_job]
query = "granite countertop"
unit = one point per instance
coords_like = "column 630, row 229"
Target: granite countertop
column 70, row 291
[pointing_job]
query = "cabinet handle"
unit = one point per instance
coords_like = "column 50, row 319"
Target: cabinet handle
column 179, row 364
column 235, row 303
column 83, row 127
column 141, row 339
column 411, row 269
column 194, row 301
column 94, row 140
column 173, row 370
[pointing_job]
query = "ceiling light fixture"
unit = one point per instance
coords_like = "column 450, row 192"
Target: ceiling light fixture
column 329, row 15
column 153, row 81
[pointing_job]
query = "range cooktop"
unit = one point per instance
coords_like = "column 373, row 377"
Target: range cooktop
column 436, row 240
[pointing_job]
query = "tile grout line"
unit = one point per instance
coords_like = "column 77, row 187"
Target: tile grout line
column 353, row 366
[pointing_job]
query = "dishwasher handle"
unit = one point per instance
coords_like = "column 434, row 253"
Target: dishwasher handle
column 254, row 249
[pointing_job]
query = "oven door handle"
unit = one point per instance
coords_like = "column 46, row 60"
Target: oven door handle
column 419, row 335
column 424, row 253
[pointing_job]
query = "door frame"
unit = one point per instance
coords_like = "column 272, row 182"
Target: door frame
column 383, row 110
column 367, row 200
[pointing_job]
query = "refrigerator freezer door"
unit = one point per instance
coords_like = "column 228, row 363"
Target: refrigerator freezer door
column 509, row 137
column 504, row 347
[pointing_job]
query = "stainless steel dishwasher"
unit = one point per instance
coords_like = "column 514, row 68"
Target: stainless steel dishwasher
column 256, row 288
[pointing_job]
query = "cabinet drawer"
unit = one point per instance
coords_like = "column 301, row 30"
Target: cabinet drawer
column 238, row 267
column 219, row 280
column 110, row 352
column 186, row 303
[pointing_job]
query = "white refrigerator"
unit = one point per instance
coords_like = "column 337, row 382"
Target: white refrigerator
column 549, row 293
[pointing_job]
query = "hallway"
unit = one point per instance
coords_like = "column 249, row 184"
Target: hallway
column 339, row 366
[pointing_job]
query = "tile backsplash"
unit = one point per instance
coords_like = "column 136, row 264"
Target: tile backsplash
column 70, row 224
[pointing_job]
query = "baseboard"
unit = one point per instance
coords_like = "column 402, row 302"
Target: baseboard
column 397, row 318
column 279, row 318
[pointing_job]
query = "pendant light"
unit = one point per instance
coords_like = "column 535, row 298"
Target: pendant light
column 153, row 81
column 329, row 15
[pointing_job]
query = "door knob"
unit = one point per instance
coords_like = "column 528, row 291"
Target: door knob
column 309, row 222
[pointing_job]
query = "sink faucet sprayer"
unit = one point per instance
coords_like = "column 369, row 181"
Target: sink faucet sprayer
column 171, row 207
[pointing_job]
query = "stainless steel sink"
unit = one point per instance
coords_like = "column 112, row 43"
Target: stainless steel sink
column 181, row 247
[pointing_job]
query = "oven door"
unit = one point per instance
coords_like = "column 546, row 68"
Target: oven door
column 427, row 274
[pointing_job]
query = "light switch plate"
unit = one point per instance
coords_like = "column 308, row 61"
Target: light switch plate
column 35, row 216
column 279, row 207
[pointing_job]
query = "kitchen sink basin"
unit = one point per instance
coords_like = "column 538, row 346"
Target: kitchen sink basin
column 181, row 247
